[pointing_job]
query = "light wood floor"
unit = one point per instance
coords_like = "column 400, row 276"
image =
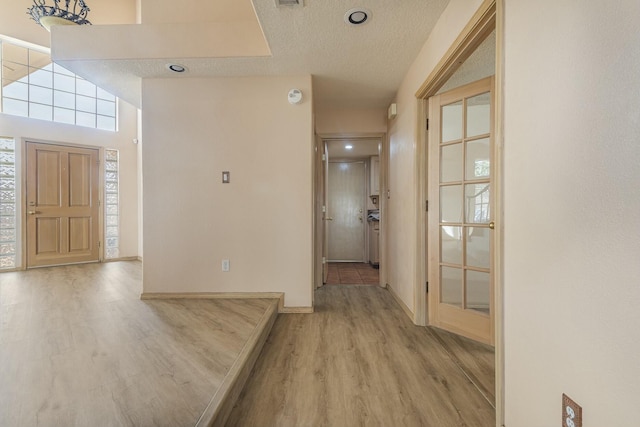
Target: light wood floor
column 79, row 348
column 476, row 360
column 358, row 360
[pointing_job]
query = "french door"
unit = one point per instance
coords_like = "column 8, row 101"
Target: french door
column 460, row 213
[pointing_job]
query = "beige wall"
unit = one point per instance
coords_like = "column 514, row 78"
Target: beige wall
column 24, row 28
column 404, row 208
column 262, row 221
column 350, row 120
column 572, row 211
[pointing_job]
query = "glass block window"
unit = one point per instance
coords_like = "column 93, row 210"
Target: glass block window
column 111, row 205
column 33, row 86
column 7, row 203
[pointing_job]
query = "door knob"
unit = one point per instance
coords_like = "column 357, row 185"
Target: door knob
column 328, row 218
column 492, row 225
column 32, row 212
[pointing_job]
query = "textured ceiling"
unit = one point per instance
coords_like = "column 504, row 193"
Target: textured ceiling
column 353, row 66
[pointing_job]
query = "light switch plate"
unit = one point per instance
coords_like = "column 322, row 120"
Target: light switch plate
column 226, row 177
column 571, row 412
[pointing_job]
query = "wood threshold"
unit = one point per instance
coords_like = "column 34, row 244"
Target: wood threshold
column 219, row 408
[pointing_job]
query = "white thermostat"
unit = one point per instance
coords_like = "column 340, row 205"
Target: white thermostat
column 295, row 96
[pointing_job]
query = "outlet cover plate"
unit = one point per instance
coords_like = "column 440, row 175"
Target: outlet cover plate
column 571, row 412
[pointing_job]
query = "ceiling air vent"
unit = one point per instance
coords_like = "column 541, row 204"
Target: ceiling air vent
column 281, row 3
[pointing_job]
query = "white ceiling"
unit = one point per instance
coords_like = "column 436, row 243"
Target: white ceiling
column 361, row 148
column 353, row 66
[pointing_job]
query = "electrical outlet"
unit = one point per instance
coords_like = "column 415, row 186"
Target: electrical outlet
column 225, row 265
column 571, row 412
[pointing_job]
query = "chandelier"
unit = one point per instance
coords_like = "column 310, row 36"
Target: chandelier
column 47, row 16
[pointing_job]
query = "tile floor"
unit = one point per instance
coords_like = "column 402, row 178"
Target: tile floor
column 352, row 273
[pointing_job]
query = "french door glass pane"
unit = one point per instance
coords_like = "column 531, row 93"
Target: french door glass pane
column 477, row 203
column 451, row 249
column 478, row 115
column 452, row 122
column 478, row 291
column 477, row 247
column 451, row 163
column 477, row 163
column 451, row 203
column 451, row 286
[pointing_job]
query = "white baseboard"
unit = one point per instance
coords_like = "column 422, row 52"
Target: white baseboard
column 401, row 303
column 303, row 310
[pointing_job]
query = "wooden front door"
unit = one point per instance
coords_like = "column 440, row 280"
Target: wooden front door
column 461, row 211
column 62, row 213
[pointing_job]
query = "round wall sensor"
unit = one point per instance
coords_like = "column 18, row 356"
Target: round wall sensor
column 295, row 96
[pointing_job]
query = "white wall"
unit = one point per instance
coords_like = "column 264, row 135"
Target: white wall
column 262, row 221
column 572, row 211
column 403, row 139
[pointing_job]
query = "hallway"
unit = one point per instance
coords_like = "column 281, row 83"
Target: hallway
column 358, row 360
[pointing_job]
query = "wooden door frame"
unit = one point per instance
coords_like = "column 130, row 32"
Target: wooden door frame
column 489, row 16
column 321, row 138
column 21, row 213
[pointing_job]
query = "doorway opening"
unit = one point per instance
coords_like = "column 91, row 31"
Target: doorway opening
column 348, row 210
column 451, row 72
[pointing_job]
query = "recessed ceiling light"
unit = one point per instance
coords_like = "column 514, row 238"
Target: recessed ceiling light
column 357, row 16
column 176, row 68
column 348, row 147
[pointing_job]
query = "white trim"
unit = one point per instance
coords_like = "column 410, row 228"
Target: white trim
column 23, row 43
